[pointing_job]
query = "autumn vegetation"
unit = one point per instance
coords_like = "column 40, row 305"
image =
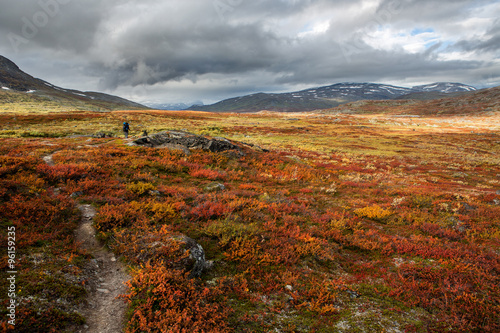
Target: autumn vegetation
column 349, row 223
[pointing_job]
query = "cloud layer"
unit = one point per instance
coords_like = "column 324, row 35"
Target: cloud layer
column 178, row 51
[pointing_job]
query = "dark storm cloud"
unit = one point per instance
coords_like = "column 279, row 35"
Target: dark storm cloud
column 51, row 24
column 489, row 43
column 285, row 42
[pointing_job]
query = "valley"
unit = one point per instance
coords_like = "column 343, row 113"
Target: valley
column 361, row 222
column 371, row 216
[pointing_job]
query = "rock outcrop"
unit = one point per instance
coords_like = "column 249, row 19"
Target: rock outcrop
column 185, row 141
column 178, row 252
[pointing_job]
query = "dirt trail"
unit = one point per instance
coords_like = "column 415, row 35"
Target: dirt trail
column 104, row 313
column 106, row 278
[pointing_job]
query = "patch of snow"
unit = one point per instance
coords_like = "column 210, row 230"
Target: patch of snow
column 432, row 86
column 80, row 94
column 30, row 91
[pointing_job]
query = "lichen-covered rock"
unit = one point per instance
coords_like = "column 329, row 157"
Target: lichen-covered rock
column 215, row 187
column 184, row 141
column 178, row 252
column 196, row 261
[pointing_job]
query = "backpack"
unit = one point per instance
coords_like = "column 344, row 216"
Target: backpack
column 125, row 127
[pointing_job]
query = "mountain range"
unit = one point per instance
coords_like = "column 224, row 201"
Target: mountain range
column 16, row 85
column 19, row 85
column 334, row 95
column 171, row 106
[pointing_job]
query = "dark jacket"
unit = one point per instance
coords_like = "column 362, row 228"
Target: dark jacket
column 126, row 127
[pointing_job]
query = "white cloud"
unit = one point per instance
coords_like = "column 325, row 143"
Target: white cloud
column 388, row 39
column 317, row 28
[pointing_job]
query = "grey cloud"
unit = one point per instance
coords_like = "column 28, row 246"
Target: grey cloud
column 152, row 42
column 490, row 42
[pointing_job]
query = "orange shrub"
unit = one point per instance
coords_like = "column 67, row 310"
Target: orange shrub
column 374, row 212
column 166, row 300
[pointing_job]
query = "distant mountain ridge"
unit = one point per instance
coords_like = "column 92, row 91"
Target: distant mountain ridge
column 170, row 106
column 331, row 96
column 14, row 80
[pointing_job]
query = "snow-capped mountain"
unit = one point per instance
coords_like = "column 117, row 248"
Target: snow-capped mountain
column 444, row 87
column 170, row 106
column 330, row 96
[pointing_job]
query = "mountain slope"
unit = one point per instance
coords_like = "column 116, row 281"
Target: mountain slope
column 17, row 85
column 480, row 102
column 331, row 96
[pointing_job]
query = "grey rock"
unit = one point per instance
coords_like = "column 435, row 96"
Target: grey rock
column 215, row 187
column 468, row 207
column 104, row 291
column 353, row 294
column 102, row 135
column 460, row 175
column 195, row 263
column 198, row 262
column 184, row 141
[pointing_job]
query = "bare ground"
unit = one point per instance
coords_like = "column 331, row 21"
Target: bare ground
column 106, row 276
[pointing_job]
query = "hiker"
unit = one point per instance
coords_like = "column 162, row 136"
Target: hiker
column 126, row 128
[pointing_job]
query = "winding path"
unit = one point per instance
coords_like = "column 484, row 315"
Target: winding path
column 106, row 277
column 104, row 312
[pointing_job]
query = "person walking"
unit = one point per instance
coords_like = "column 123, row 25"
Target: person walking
column 126, row 128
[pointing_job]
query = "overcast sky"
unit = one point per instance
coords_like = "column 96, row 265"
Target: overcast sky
column 207, row 50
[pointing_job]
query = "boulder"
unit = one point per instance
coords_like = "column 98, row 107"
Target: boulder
column 184, row 141
column 102, row 135
column 196, row 262
column 188, row 254
column 215, row 187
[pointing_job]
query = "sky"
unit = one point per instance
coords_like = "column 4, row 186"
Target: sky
column 187, row 51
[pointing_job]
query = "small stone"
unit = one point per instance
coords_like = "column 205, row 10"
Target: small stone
column 498, row 192
column 104, row 291
column 76, row 194
column 460, row 175
column 212, row 282
column 113, row 259
column 215, row 187
column 289, row 287
column 468, row 207
column 154, row 193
